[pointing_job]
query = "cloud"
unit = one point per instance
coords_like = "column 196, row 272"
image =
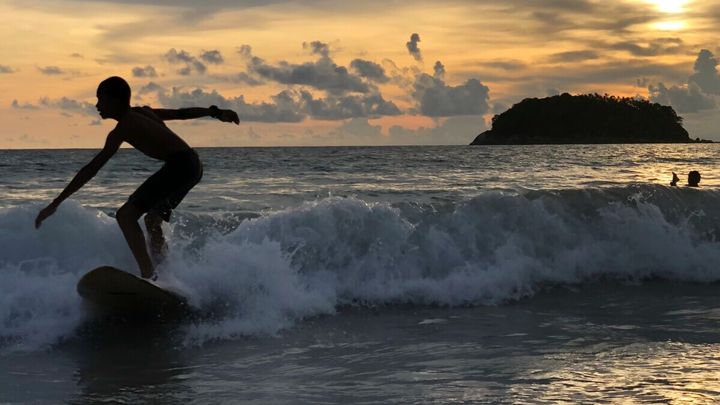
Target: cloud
column 213, row 57
column 190, row 62
column 412, row 47
column 573, row 56
column 684, row 99
column 51, row 70
column 656, row 47
column 286, row 106
column 68, row 104
column 322, row 74
column 151, row 87
column 369, row 70
column 24, row 106
column 318, row 48
column 241, row 77
column 6, row 69
column 439, row 70
column 245, row 51
column 64, row 104
column 706, row 75
column 283, row 108
column 437, row 99
column 348, row 106
column 147, row 71
column 77, row 55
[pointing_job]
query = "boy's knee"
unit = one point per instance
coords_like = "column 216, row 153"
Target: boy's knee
column 127, row 214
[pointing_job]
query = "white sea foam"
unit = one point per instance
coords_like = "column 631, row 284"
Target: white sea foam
column 273, row 271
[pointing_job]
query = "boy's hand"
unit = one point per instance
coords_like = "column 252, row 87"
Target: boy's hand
column 44, row 213
column 228, row 116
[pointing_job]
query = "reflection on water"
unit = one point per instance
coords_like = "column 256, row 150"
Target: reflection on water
column 604, row 343
column 657, row 372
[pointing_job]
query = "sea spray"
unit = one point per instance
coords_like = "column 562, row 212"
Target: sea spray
column 273, row 271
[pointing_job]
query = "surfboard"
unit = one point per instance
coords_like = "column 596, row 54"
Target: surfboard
column 118, row 291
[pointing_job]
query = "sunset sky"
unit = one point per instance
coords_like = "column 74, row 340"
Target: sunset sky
column 315, row 72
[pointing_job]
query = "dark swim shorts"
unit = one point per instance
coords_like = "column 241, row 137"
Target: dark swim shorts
column 164, row 190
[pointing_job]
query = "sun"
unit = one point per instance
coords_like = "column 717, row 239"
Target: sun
column 670, row 6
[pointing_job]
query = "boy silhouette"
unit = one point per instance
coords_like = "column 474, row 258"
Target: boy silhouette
column 144, row 129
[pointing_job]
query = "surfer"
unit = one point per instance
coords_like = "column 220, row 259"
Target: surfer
column 144, row 129
column 693, row 179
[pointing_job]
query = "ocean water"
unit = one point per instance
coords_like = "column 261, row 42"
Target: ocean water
column 491, row 274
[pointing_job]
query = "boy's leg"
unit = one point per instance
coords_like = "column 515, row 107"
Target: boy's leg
column 158, row 246
column 127, row 217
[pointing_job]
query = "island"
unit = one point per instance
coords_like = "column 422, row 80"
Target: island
column 585, row 119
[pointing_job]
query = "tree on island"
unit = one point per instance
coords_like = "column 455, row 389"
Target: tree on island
column 585, row 118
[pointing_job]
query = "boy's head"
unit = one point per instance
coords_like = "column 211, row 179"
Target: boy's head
column 113, row 96
column 694, row 178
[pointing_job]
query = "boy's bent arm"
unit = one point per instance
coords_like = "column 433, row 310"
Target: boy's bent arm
column 83, row 176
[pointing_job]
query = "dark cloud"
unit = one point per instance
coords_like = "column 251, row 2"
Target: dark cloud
column 51, row 70
column 243, row 78
column 412, row 47
column 369, row 70
column 151, row 87
column 437, row 99
column 439, row 70
column 286, row 106
column 147, row 71
column 656, row 47
column 563, row 19
column 706, row 75
column 77, row 55
column 609, row 71
column 573, row 56
column 6, row 69
column 245, row 51
column 213, row 57
column 349, row 106
column 697, row 94
column 323, row 74
column 71, row 105
column 64, row 104
column 190, row 62
column 283, row 108
column 685, row 99
column 318, row 48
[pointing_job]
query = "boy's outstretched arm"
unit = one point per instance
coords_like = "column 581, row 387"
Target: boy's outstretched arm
column 197, row 112
column 83, row 176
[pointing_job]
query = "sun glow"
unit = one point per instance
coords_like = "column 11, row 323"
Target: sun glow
column 669, row 25
column 670, row 6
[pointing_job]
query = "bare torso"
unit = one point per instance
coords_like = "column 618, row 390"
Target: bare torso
column 145, row 131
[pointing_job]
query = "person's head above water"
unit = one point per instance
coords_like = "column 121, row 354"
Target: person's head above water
column 694, row 178
column 113, row 96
